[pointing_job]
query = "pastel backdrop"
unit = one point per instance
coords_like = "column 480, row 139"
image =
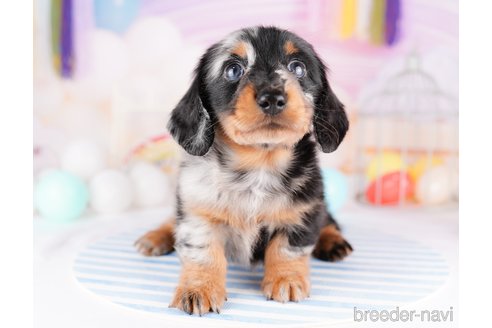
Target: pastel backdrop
column 110, row 71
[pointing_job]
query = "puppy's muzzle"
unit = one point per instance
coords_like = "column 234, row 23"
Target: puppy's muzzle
column 272, row 101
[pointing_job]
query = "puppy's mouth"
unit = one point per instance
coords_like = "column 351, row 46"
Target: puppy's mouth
column 274, row 126
column 267, row 130
column 269, row 123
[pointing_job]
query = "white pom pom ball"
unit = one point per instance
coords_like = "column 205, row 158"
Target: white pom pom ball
column 111, row 191
column 152, row 186
column 435, row 186
column 84, row 158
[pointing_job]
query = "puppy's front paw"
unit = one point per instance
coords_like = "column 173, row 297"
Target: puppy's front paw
column 331, row 245
column 156, row 242
column 199, row 299
column 283, row 288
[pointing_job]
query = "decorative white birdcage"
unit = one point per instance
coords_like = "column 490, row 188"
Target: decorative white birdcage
column 408, row 142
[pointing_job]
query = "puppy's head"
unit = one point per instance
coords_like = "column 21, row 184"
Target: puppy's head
column 262, row 86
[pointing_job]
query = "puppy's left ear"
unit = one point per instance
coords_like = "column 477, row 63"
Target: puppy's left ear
column 330, row 120
column 190, row 123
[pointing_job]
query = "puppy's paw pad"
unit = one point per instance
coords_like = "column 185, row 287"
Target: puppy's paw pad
column 286, row 288
column 334, row 251
column 155, row 243
column 199, row 300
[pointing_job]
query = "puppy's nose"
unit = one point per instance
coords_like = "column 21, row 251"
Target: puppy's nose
column 271, row 102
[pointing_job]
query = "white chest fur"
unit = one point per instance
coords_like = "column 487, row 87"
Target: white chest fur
column 205, row 183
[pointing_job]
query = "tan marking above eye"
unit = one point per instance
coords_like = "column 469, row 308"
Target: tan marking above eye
column 290, row 48
column 240, row 50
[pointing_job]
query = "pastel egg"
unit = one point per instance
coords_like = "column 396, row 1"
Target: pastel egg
column 60, row 196
column 435, row 187
column 417, row 169
column 384, row 163
column 336, row 188
column 385, row 190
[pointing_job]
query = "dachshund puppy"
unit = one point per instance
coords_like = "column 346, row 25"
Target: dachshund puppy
column 249, row 187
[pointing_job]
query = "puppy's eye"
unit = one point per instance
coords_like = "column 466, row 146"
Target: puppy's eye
column 233, row 72
column 297, row 68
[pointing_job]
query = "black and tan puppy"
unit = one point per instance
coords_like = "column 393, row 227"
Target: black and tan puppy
column 250, row 187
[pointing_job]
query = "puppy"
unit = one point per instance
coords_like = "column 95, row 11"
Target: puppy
column 249, row 186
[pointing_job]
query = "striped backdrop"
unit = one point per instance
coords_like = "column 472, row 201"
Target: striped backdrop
column 383, row 272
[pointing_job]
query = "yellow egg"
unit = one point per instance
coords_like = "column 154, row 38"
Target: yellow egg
column 384, row 163
column 417, row 169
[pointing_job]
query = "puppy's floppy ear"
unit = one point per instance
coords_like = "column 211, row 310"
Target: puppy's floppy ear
column 190, row 123
column 330, row 120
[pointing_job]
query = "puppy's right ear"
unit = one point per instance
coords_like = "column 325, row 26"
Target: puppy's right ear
column 190, row 123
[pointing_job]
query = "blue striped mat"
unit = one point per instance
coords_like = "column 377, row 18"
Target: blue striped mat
column 383, row 272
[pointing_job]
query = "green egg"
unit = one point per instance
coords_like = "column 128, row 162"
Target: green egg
column 61, row 196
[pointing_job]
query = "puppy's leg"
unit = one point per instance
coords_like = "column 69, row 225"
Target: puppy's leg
column 157, row 242
column 331, row 245
column 201, row 287
column 286, row 271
